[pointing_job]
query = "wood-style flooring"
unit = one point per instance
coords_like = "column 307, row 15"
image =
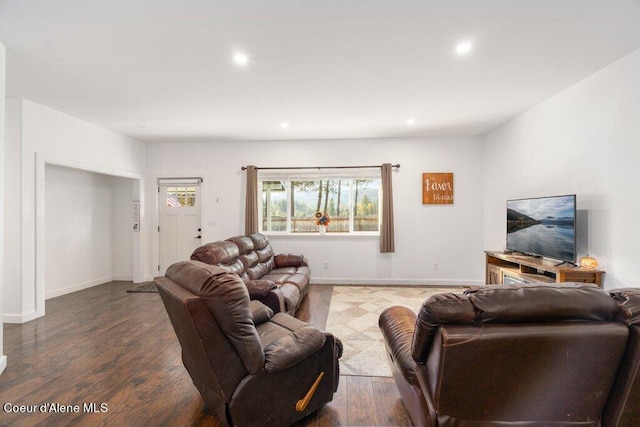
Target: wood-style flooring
column 117, row 351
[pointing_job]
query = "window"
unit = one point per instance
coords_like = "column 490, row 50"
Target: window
column 179, row 197
column 179, row 192
column 289, row 204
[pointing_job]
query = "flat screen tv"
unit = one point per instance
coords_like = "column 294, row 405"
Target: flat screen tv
column 543, row 226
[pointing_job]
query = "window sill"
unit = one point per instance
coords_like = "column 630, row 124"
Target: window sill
column 363, row 235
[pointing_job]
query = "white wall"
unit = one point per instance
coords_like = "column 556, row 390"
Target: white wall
column 121, row 228
column 12, row 243
column 3, row 358
column 87, row 224
column 450, row 235
column 45, row 136
column 585, row 140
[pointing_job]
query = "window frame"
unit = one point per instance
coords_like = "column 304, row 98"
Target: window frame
column 296, row 175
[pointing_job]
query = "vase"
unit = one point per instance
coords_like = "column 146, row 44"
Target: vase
column 322, row 229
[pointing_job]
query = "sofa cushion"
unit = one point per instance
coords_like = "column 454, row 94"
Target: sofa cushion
column 291, row 295
column 300, row 280
column 222, row 254
column 249, row 259
column 259, row 269
column 246, row 254
column 216, row 253
column 298, row 276
column 244, row 243
column 260, row 241
column 263, row 248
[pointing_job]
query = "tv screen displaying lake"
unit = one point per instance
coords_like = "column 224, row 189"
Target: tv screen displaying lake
column 542, row 226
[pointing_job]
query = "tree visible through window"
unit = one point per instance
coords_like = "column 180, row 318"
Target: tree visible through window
column 290, row 204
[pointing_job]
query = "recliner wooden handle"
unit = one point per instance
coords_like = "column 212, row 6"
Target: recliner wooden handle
column 302, row 404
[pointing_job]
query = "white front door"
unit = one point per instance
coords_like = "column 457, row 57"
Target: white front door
column 180, row 230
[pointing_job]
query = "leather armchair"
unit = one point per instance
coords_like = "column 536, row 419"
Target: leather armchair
column 251, row 367
column 531, row 355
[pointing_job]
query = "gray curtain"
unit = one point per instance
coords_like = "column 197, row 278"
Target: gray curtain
column 251, row 208
column 387, row 240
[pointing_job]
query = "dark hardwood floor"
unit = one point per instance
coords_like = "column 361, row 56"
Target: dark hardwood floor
column 117, row 350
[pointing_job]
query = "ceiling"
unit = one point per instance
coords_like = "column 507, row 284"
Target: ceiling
column 162, row 70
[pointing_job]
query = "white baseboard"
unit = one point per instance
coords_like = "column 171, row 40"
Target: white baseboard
column 397, row 282
column 26, row 317
column 78, row 287
column 3, row 363
column 123, row 278
column 19, row 318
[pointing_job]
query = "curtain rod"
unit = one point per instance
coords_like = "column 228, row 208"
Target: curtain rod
column 321, row 167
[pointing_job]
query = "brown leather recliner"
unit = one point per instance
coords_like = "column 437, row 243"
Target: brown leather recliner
column 251, row 367
column 531, row 355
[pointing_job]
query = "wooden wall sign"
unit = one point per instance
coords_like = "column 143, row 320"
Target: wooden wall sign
column 437, row 188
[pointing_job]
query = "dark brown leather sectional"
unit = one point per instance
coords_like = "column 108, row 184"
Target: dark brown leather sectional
column 278, row 281
column 561, row 355
column 251, row 367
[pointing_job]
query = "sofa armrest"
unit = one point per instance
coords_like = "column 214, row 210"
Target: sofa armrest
column 260, row 312
column 268, row 293
column 290, row 260
column 397, row 325
column 258, row 289
column 295, row 341
column 628, row 300
column 435, row 311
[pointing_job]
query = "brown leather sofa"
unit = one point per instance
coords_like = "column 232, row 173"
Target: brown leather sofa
column 531, row 355
column 278, row 281
column 251, row 367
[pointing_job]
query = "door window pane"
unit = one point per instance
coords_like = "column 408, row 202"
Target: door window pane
column 181, row 196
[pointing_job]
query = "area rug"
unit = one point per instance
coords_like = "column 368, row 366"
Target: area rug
column 146, row 287
column 353, row 317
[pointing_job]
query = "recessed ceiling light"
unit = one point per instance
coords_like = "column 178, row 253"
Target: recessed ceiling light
column 284, row 125
column 240, row 59
column 411, row 122
column 464, row 47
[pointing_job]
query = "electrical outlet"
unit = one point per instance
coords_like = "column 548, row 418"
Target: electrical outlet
column 436, row 266
column 326, row 265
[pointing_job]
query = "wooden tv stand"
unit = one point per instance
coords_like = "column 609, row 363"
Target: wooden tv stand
column 504, row 268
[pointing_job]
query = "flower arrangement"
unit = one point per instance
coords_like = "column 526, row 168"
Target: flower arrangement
column 322, row 218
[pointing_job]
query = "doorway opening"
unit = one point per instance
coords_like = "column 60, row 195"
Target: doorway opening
column 132, row 180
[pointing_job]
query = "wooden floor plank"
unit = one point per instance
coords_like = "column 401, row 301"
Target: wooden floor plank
column 389, row 407
column 103, row 345
column 361, row 406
